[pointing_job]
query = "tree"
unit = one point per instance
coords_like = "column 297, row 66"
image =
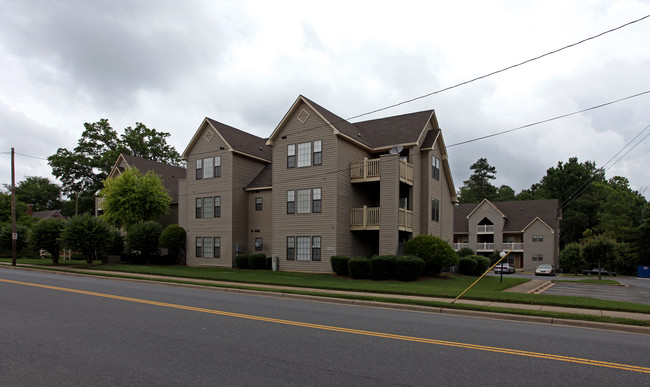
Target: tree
column 142, row 239
column 478, row 187
column 21, row 210
column 149, row 144
column 22, row 230
column 173, row 238
column 40, row 192
column 86, row 234
column 571, row 259
column 435, row 252
column 621, row 209
column 599, row 249
column 131, row 198
column 45, row 234
column 504, row 194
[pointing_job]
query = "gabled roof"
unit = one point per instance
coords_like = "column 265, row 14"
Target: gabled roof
column 519, row 214
column 537, row 219
column 169, row 174
column 237, row 140
column 491, row 205
column 263, row 180
column 47, row 214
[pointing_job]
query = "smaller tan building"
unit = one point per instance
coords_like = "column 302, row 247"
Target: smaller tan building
column 530, row 229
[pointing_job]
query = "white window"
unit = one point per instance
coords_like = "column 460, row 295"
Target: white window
column 217, row 206
column 199, row 169
column 291, row 202
column 318, row 152
column 291, row 156
column 207, row 247
column 303, row 201
column 304, row 154
column 304, row 249
column 217, row 166
column 207, row 207
column 291, row 248
column 199, row 204
column 315, row 248
column 316, row 202
column 435, row 167
column 217, row 247
column 198, row 247
column 207, row 167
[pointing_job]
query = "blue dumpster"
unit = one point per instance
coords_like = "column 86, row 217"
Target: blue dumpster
column 644, row 272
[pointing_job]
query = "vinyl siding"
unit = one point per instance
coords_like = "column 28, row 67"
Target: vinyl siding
column 260, row 223
column 243, row 170
column 546, row 248
column 389, row 202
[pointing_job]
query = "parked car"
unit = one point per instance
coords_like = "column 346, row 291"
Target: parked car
column 504, row 267
column 545, row 269
column 594, row 271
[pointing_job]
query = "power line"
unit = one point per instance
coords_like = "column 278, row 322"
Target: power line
column 549, row 119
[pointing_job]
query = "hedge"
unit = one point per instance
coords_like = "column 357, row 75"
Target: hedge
column 340, row 264
column 257, row 261
column 242, row 261
column 359, row 267
column 408, row 268
column 382, row 267
column 467, row 265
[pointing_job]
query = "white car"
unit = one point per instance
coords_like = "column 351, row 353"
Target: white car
column 545, row 269
column 504, row 267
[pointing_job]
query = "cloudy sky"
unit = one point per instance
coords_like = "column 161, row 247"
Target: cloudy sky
column 171, row 63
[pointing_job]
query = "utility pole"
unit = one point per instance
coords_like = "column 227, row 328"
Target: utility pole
column 14, row 236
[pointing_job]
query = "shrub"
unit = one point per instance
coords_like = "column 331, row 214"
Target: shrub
column 115, row 244
column 242, row 261
column 340, row 264
column 143, row 238
column 408, row 268
column 382, row 267
column 86, row 234
column 257, row 261
column 173, row 238
column 45, row 235
column 359, row 267
column 435, row 252
column 467, row 265
column 483, row 263
column 465, row 251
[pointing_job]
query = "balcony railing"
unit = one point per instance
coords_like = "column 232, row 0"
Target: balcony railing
column 514, row 246
column 369, row 170
column 458, row 246
column 485, row 228
column 368, row 218
column 485, row 246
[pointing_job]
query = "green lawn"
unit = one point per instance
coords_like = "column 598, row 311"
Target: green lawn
column 446, row 286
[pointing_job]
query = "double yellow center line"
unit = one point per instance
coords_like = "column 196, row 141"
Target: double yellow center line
column 516, row 352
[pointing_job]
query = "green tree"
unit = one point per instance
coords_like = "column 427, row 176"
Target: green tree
column 435, row 252
column 45, row 234
column 86, row 234
column 173, row 239
column 131, row 198
column 599, row 249
column 571, row 259
column 22, row 216
column 505, row 194
column 5, row 237
column 142, row 239
column 149, row 144
column 40, row 192
column 478, row 187
column 621, row 209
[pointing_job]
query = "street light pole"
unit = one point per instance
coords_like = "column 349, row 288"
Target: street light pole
column 502, row 255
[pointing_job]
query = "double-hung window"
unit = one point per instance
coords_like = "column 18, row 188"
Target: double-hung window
column 304, row 248
column 198, row 247
column 199, row 209
column 291, row 202
column 217, row 166
column 217, row 247
column 207, row 247
column 435, row 209
column 207, row 207
column 304, row 154
column 208, row 164
column 291, row 248
column 315, row 248
column 316, row 200
column 258, row 204
column 318, row 152
column 217, row 206
column 435, row 167
column 199, row 169
column 291, row 156
column 303, row 201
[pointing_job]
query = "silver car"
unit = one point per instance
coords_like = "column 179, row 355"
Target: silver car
column 545, row 269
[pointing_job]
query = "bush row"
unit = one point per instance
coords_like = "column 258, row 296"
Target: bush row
column 378, row 267
column 257, row 261
column 473, row 265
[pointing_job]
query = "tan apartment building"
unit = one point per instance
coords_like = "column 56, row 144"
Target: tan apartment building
column 530, row 229
column 318, row 186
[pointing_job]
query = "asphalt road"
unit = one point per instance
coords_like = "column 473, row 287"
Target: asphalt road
column 57, row 329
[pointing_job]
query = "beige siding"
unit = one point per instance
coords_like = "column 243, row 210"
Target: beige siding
column 261, row 222
column 389, row 202
column 486, row 211
column 546, row 248
column 243, row 170
column 315, row 176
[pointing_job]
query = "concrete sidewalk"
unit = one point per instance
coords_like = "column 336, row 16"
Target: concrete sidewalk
column 324, row 295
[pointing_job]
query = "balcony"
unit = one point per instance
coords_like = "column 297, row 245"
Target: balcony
column 512, row 246
column 485, row 229
column 369, row 170
column 458, row 246
column 368, row 218
column 484, row 246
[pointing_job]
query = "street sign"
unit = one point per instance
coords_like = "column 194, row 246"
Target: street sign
column 14, row 236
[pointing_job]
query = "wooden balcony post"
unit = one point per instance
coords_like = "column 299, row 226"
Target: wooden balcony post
column 365, row 172
column 365, row 216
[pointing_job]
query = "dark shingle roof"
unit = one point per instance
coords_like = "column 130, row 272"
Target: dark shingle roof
column 47, row 214
column 519, row 214
column 263, row 179
column 243, row 142
column 168, row 173
column 430, row 138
